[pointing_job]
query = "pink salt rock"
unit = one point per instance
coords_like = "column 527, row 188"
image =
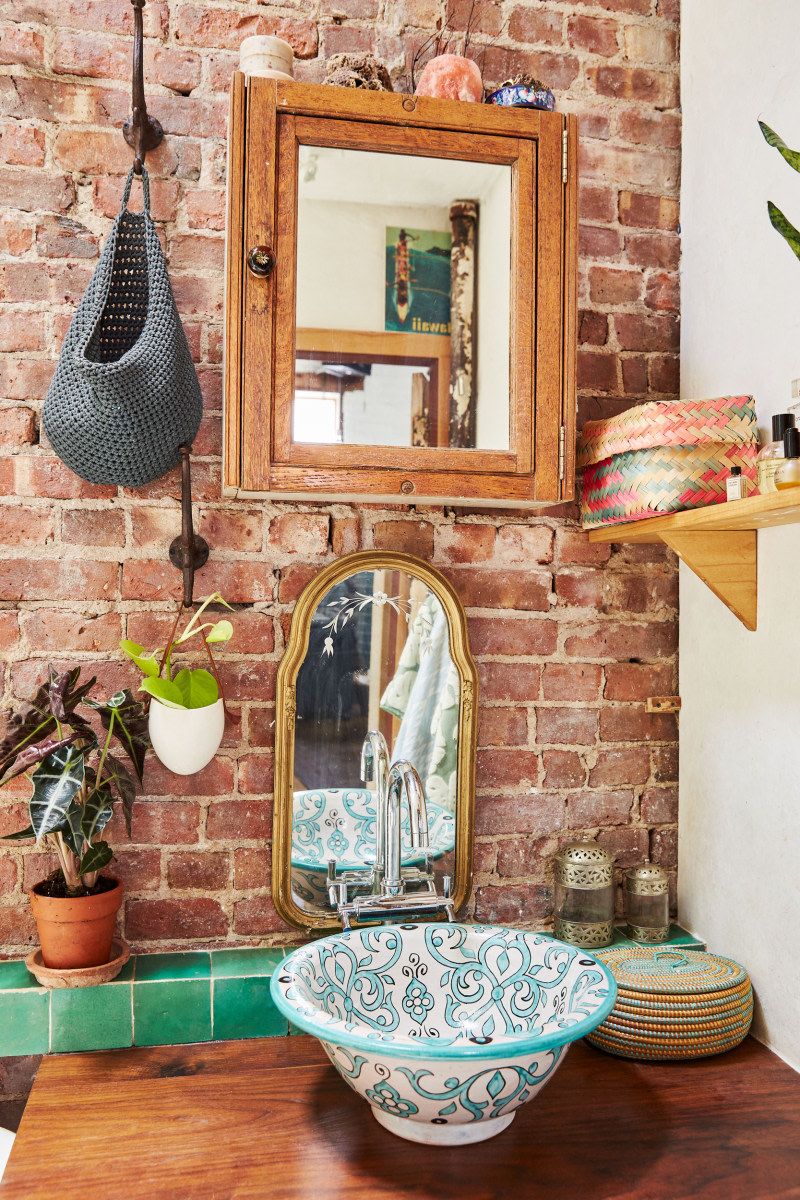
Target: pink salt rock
column 451, row 77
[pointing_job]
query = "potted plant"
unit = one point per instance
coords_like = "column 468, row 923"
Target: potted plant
column 76, row 777
column 187, row 705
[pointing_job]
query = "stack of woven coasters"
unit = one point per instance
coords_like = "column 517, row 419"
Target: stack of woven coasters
column 673, row 1005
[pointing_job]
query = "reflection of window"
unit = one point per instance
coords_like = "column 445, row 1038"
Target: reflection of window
column 316, row 417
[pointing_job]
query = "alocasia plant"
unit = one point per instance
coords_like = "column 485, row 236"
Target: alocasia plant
column 75, row 771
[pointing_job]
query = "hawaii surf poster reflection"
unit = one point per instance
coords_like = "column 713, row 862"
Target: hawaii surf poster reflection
column 417, row 280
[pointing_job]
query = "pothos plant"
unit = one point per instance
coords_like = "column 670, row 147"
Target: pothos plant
column 186, row 687
column 75, row 771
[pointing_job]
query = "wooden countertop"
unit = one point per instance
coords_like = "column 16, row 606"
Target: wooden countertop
column 271, row 1118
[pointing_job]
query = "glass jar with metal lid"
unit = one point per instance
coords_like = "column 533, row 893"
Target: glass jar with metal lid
column 647, row 903
column 584, row 895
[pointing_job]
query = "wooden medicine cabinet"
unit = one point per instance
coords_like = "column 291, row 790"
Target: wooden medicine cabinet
column 401, row 298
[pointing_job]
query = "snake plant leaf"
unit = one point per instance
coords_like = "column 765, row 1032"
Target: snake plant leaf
column 784, row 227
column 95, row 858
column 56, row 783
column 792, row 157
column 146, row 662
column 19, row 836
column 126, row 719
column 163, row 690
column 118, row 777
column 198, row 688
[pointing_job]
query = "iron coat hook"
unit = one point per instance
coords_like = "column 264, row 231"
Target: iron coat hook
column 142, row 132
column 188, row 552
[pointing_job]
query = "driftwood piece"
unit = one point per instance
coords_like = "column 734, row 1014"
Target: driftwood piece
column 463, row 322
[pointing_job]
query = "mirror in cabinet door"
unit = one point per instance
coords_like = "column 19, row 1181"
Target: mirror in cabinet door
column 401, row 298
column 377, row 672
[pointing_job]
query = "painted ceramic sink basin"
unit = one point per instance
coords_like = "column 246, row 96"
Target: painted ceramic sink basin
column 340, row 823
column 446, row 1030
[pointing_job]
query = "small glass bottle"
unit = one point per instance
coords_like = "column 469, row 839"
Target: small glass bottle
column 788, row 472
column 772, row 455
column 647, row 903
column 736, row 484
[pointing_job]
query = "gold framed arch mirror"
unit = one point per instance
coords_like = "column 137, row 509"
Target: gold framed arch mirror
column 377, row 646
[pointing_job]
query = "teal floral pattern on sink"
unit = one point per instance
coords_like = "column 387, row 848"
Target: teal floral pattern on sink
column 444, row 1024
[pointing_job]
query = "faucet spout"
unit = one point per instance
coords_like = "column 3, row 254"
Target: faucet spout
column 375, row 769
column 403, row 781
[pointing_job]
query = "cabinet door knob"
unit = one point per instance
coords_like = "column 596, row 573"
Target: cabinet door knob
column 261, row 260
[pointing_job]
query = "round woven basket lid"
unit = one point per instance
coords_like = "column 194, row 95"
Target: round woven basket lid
column 671, row 972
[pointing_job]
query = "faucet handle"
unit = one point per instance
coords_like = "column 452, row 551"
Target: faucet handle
column 446, row 886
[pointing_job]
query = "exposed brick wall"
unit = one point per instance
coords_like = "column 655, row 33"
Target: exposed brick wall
column 569, row 637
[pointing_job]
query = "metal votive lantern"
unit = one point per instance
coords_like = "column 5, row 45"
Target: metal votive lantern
column 647, row 903
column 584, row 895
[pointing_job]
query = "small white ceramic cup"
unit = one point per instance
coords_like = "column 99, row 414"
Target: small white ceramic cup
column 269, row 57
column 186, row 739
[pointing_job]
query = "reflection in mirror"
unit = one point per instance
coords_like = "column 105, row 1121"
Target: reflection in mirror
column 378, row 677
column 398, row 257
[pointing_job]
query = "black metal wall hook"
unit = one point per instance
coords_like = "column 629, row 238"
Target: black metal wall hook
column 142, row 132
column 188, row 552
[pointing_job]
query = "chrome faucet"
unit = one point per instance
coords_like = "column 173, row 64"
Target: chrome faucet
column 403, row 890
column 375, row 769
column 403, row 778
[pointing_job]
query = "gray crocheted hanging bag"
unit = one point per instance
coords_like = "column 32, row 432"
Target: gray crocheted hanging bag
column 125, row 394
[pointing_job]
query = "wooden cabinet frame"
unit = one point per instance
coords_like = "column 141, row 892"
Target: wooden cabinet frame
column 269, row 121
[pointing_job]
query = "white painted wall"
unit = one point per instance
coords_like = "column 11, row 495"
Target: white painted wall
column 739, row 852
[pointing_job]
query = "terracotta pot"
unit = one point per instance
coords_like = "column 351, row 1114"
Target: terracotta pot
column 76, row 931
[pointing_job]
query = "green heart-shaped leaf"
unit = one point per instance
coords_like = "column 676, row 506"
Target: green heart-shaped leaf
column 146, row 662
column 198, row 688
column 163, row 690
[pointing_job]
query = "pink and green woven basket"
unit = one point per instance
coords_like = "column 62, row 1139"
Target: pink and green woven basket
column 664, row 457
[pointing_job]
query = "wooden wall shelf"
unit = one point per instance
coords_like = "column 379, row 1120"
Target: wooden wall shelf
column 718, row 543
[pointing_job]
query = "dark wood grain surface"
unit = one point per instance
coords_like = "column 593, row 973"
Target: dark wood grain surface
column 271, row 1118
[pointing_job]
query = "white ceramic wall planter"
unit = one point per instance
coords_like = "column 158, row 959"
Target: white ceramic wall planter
column 186, row 739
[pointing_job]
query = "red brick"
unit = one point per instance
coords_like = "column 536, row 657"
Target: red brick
column 157, row 579
column 574, row 682
column 25, row 378
column 533, row 812
column 524, row 544
column 139, row 870
column 509, row 681
column 523, row 856
column 627, row 844
column 164, row 194
column 160, row 920
column 165, row 822
column 639, row 167
column 93, row 527
column 613, row 286
column 562, row 768
column 205, row 208
column 17, row 427
column 637, row 681
column 61, row 237
column 512, row 636
column 21, row 145
column 409, row 537
column 596, row 241
column 665, row 764
column 500, row 768
column 596, row 35
column 235, row 820
column 46, row 476
column 256, row 915
column 573, row 546
column 648, row 212
column 580, row 588
column 654, row 250
column 590, row 809
column 23, row 46
column 465, row 543
column 650, row 128
column 214, row 780
column 524, row 591
column 659, row 806
column 251, row 868
column 592, row 328
column 255, row 775
column 535, row 26
column 634, row 83
column 613, row 639
column 60, row 630
column 15, row 238
column 49, row 579
column 618, row 768
column 502, row 726
column 651, row 43
column 597, row 372
column 9, row 629
column 637, row 332
column 198, row 869
column 566, row 727
column 261, row 726
column 664, row 373
column 17, row 927
column 663, row 291
column 23, row 526
column 506, row 905
column 631, row 723
column 664, row 847
column 299, row 535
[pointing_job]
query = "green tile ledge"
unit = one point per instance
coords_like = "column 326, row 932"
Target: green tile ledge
column 162, row 1000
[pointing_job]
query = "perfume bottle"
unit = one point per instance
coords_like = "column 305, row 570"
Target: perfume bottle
column 736, row 484
column 788, row 473
column 772, row 455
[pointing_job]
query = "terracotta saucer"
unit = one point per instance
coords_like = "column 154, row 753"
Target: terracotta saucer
column 62, row 977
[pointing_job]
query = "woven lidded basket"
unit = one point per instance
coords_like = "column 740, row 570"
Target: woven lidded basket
column 664, row 457
column 672, row 1005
